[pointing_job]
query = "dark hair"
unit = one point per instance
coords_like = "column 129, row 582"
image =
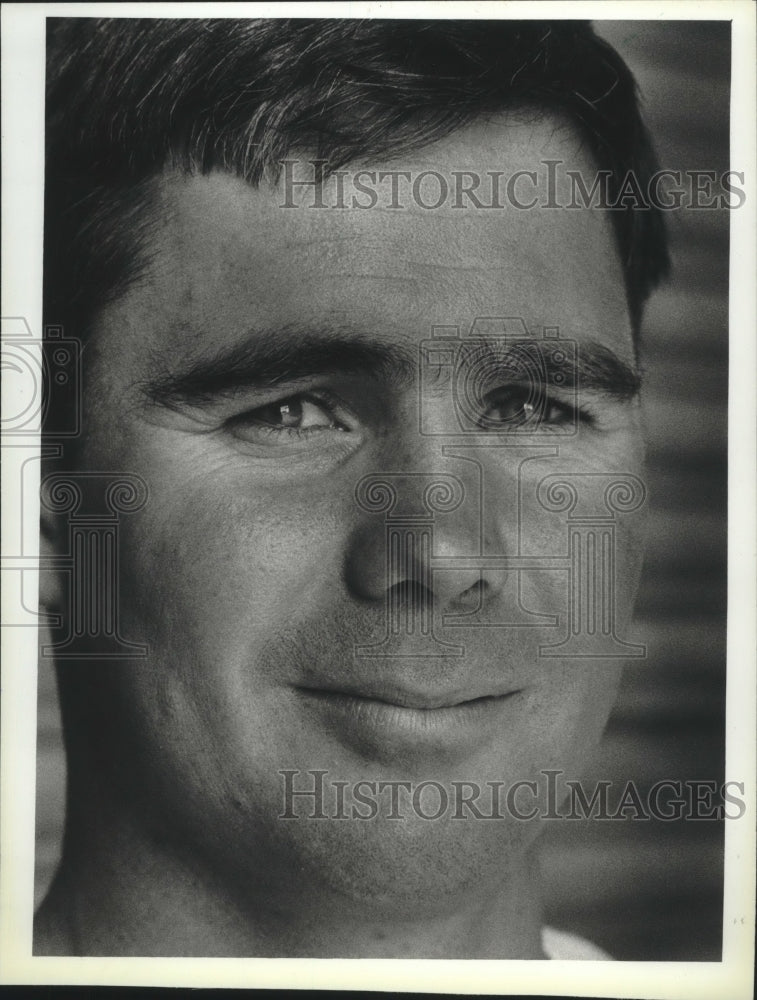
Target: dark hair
column 126, row 97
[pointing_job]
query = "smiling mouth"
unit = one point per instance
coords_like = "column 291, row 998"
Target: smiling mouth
column 380, row 725
column 408, row 700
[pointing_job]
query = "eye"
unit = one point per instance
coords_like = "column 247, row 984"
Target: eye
column 289, row 422
column 296, row 413
column 518, row 406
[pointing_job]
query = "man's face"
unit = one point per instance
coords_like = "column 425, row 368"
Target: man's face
column 267, row 363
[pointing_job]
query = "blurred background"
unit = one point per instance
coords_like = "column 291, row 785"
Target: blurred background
column 641, row 890
column 654, row 890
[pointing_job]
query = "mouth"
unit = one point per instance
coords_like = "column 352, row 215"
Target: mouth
column 415, row 701
column 381, row 723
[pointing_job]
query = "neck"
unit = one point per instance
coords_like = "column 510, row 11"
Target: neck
column 120, row 892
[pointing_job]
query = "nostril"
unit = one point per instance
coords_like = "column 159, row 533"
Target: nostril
column 472, row 599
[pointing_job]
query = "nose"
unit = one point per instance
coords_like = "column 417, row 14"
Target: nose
column 410, row 521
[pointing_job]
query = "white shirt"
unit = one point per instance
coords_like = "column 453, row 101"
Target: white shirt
column 563, row 946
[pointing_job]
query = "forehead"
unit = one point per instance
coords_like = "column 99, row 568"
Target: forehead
column 227, row 258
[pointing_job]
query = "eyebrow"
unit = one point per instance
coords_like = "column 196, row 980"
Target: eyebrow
column 291, row 354
column 269, row 358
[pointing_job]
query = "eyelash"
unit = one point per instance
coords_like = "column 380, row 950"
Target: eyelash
column 541, row 403
column 327, row 403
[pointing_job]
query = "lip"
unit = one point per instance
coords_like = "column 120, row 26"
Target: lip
column 404, row 698
column 381, row 724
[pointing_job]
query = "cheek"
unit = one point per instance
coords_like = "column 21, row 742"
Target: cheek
column 226, row 565
column 631, row 537
column 207, row 577
column 572, row 705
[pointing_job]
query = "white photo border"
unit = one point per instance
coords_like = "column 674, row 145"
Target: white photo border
column 23, row 48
